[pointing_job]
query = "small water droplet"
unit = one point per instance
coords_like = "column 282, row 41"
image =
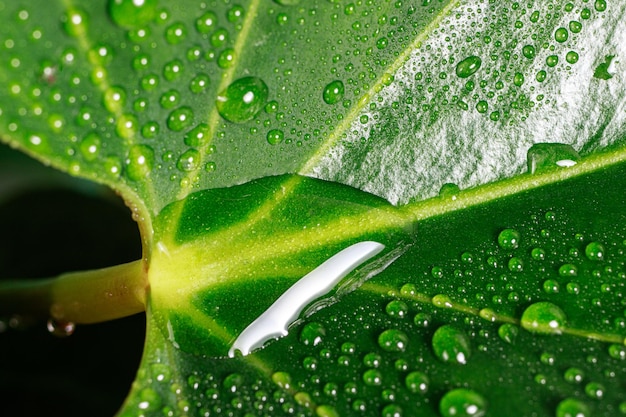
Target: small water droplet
column 544, row 318
column 114, row 99
column 132, row 13
column 529, row 51
column 561, row 35
column 333, row 92
column 397, row 309
column 275, row 136
column 75, row 22
column 508, row 332
column 282, row 379
column 468, row 66
column 173, row 69
column 571, row 407
column 462, row 402
column 175, row 33
column 127, row 126
column 233, row 382
column 568, row 270
column 509, row 239
column 393, row 340
column 312, row 334
column 180, row 119
column 189, row 160
column 595, row 390
column 90, row 146
column 60, row 328
column 242, row 99
column 595, row 251
column 206, row 22
column 372, row 377
column 199, row 83
column 417, row 382
column 451, row 345
column 139, row 162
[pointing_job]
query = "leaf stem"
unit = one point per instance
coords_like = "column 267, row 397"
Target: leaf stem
column 80, row 297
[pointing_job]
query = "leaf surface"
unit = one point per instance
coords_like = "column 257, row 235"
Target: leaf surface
column 172, row 104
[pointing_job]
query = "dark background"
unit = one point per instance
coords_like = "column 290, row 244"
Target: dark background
column 51, row 223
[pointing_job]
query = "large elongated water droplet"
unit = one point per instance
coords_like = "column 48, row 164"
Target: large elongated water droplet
column 462, row 403
column 468, row 66
column 545, row 156
column 543, row 317
column 242, row 99
column 451, row 345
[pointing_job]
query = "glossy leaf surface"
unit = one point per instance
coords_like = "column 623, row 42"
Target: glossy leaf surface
column 170, row 104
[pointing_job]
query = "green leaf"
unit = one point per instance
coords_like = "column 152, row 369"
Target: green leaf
column 195, row 112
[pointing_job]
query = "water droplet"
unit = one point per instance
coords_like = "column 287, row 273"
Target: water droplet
column 529, row 51
column 126, row 126
column 287, row 2
column 90, row 146
column 114, row 99
column 372, row 360
column 169, row 99
column 538, row 254
column 161, row 372
column 75, row 22
column 571, row 407
column 516, row 264
column 333, row 92
column 282, row 379
column 551, row 286
column 552, row 60
column 132, row 13
column 275, row 136
column 561, row 35
column 574, row 375
column 198, row 136
column 397, row 309
column 180, row 119
column 189, row 160
column 595, row 390
column 595, row 251
column 571, row 57
column 199, row 83
column 544, row 318
column 150, row 130
column 417, row 382
column 393, row 340
column 175, row 33
column 546, row 156
column 509, row 239
column 451, row 345
column 113, row 167
column 372, row 377
column 468, row 66
column 139, row 162
column 173, row 69
column 60, row 328
column 462, row 403
column 568, row 270
column 482, row 106
column 226, row 58
column 617, row 351
column 312, row 334
column 508, row 333
column 206, row 22
column 242, row 99
column 233, row 382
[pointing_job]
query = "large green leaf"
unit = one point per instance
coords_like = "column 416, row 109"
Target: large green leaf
column 172, row 104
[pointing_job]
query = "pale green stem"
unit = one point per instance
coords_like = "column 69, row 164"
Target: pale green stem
column 80, row 297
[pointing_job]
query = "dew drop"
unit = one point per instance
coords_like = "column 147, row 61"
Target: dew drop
column 131, row 14
column 312, row 334
column 60, row 328
column 233, row 382
column 595, row 251
column 173, row 69
column 90, row 146
column 198, row 136
column 114, row 99
column 75, row 22
column 189, row 160
column 543, row 318
column 508, row 333
column 595, row 390
column 372, row 377
column 206, row 22
column 568, row 270
column 509, row 239
column 282, row 379
column 516, row 264
column 545, row 156
column 242, row 99
column 139, row 162
column 574, row 375
column 175, row 33
column 372, row 360
column 571, row 57
column 451, row 345
column 333, row 92
column 529, row 51
column 126, row 126
column 199, row 83
column 468, row 66
column 417, row 382
column 462, row 402
column 397, row 309
column 561, row 35
column 275, row 136
column 393, row 340
column 150, row 130
column 571, row 407
column 180, row 119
